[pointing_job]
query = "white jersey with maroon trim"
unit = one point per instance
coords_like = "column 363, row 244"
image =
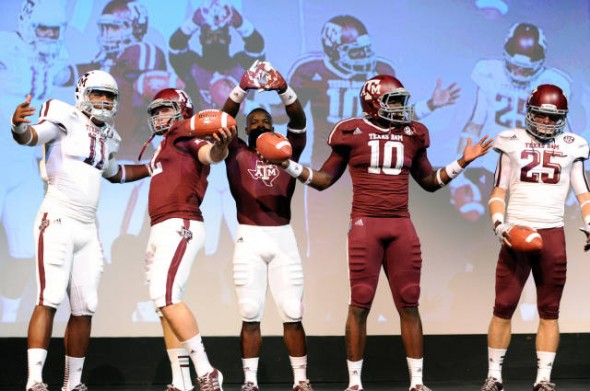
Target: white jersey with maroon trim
column 77, row 155
column 540, row 175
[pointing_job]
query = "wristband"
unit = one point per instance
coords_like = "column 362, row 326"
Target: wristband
column 587, row 220
column 439, row 180
column 246, row 28
column 453, row 169
column 494, row 199
column 289, row 96
column 497, row 218
column 188, row 27
column 18, row 129
column 309, row 177
column 238, row 94
column 294, row 169
column 123, row 173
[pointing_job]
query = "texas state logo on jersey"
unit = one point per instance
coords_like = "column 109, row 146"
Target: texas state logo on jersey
column 539, row 175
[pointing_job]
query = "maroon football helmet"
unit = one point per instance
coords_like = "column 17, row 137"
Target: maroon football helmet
column 524, row 52
column 347, row 45
column 169, row 97
column 122, row 23
column 550, row 102
column 384, row 97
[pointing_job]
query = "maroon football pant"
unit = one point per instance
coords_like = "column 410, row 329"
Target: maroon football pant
column 549, row 271
column 391, row 243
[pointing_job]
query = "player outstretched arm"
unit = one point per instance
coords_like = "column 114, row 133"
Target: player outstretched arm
column 218, row 151
column 129, row 173
column 441, row 97
column 321, row 179
column 431, row 180
column 21, row 131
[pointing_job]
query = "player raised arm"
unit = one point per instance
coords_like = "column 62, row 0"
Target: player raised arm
column 21, row 131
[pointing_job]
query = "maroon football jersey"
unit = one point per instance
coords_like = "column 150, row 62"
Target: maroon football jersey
column 333, row 98
column 179, row 180
column 262, row 191
column 380, row 161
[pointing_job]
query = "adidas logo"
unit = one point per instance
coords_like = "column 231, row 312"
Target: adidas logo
column 513, row 137
column 316, row 77
column 357, row 131
column 359, row 222
column 240, row 240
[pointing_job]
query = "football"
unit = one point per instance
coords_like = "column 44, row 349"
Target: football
column 207, row 122
column 273, row 146
column 525, row 239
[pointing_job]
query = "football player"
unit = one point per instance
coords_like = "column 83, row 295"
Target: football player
column 503, row 86
column 266, row 253
column 80, row 146
column 32, row 60
column 382, row 149
column 210, row 75
column 536, row 168
column 329, row 82
column 179, row 170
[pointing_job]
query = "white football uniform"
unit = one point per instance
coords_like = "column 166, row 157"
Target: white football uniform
column 268, row 256
column 77, row 155
column 538, row 175
column 501, row 104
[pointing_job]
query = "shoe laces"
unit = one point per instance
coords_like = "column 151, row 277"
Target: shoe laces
column 249, row 386
column 303, row 385
column 208, row 382
column 545, row 386
column 491, row 384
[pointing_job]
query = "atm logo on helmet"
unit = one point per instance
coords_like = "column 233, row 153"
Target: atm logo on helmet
column 371, row 88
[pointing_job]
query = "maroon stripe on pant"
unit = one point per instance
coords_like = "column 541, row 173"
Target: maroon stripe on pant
column 40, row 252
column 180, row 250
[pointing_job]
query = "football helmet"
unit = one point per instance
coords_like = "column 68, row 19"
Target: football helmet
column 97, row 81
column 122, row 23
column 550, row 102
column 42, row 24
column 347, row 45
column 216, row 13
column 384, row 97
column 169, row 97
column 524, row 52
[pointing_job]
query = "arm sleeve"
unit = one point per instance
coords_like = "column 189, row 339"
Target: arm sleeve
column 46, row 131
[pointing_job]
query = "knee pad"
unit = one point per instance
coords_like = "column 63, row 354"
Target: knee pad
column 86, row 307
column 362, row 295
column 250, row 311
column 548, row 311
column 409, row 296
column 503, row 310
column 291, row 310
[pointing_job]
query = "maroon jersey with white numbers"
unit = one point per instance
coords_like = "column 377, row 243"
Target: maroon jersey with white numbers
column 262, row 191
column 380, row 161
column 179, row 179
column 333, row 96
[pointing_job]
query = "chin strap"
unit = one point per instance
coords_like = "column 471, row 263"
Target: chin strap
column 149, row 140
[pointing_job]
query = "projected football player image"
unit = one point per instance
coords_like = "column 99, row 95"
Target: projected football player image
column 503, row 86
column 210, row 73
column 80, row 144
column 382, row 149
column 536, row 168
column 139, row 66
column 32, row 60
column 266, row 253
column 329, row 82
column 179, row 169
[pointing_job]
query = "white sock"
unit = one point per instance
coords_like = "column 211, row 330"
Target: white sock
column 299, row 365
column 495, row 362
column 36, row 361
column 354, row 373
column 415, row 368
column 73, row 372
column 544, row 365
column 180, row 363
column 250, row 366
column 198, row 355
column 10, row 308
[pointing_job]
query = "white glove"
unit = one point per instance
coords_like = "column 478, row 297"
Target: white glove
column 501, row 230
column 587, row 233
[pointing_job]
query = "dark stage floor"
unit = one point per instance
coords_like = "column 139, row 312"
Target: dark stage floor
column 517, row 385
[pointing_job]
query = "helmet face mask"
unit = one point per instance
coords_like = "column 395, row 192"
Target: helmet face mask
column 547, row 109
column 348, row 45
column 384, row 98
column 180, row 103
column 104, row 84
column 122, row 23
column 524, row 52
column 42, row 24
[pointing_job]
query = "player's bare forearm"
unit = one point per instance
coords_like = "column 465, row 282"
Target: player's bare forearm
column 296, row 115
column 231, row 107
column 130, row 173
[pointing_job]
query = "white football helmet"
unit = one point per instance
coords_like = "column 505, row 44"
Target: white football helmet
column 42, row 24
column 97, row 81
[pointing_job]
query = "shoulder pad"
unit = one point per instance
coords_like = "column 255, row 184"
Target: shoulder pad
column 57, row 112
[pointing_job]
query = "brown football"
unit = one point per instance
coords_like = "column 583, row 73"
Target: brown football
column 207, row 122
column 525, row 239
column 273, row 146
